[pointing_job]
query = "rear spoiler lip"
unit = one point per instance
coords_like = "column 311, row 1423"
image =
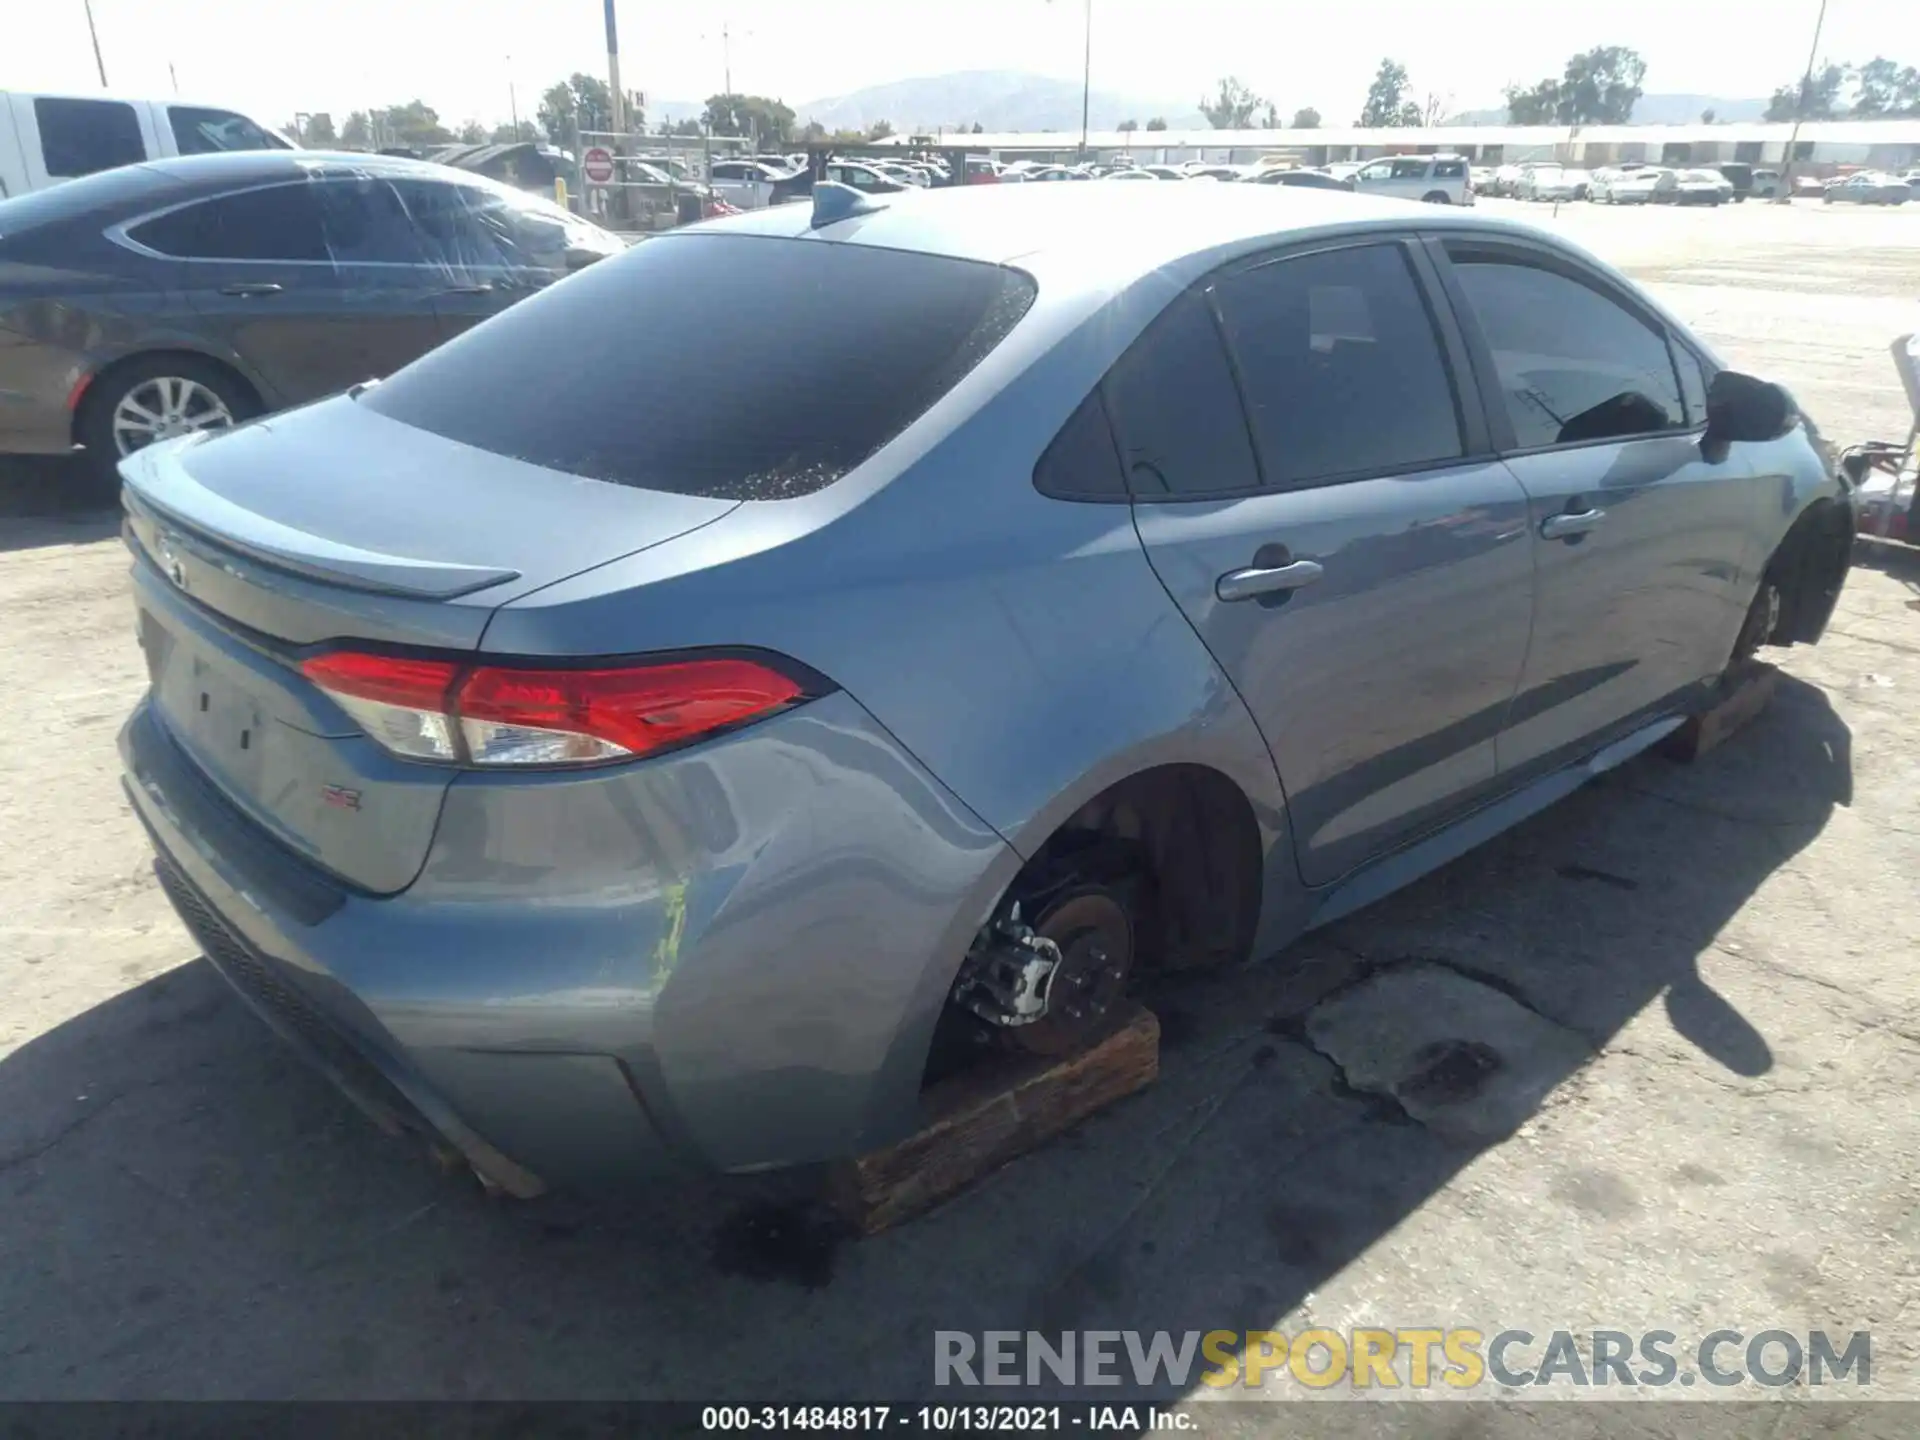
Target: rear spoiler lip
column 159, row 488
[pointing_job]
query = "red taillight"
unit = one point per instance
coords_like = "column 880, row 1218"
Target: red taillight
column 509, row 715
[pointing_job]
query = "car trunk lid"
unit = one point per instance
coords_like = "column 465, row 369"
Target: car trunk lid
column 333, row 525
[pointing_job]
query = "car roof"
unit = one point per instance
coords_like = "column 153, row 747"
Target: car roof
column 228, row 166
column 1112, row 233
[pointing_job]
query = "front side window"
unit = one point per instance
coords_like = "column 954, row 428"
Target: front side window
column 81, row 137
column 1574, row 364
column 1342, row 369
column 204, row 132
column 630, row 373
column 1412, row 168
column 279, row 222
column 1176, row 411
column 1380, row 170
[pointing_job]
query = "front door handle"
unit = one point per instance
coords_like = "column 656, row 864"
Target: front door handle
column 252, row 287
column 1570, row 523
column 1255, row 581
column 482, row 288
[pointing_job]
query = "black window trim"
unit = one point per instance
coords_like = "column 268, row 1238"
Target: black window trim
column 121, row 233
column 1524, row 251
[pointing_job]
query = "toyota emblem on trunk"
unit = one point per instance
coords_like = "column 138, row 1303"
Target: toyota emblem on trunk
column 170, row 562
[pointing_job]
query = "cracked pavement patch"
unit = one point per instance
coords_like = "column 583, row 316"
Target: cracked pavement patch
column 1458, row 1056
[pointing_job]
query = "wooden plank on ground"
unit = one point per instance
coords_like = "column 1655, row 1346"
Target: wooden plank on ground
column 984, row 1117
column 1744, row 697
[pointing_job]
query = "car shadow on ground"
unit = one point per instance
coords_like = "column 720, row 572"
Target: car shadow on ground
column 54, row 500
column 185, row 1211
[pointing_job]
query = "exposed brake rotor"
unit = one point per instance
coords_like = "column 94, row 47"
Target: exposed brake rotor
column 1046, row 988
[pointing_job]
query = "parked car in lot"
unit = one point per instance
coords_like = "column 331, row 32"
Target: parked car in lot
column 1129, row 175
column 1436, row 179
column 1617, row 185
column 1553, row 182
column 1506, row 181
column 864, row 177
column 189, row 294
column 751, row 184
column 45, row 139
column 606, row 763
column 1748, row 180
column 1692, row 187
column 1307, row 179
column 1165, row 172
column 1867, row 187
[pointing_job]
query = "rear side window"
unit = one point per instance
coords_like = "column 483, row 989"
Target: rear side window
column 1574, row 364
column 202, row 132
column 1341, row 367
column 1176, row 411
column 1449, row 169
column 1082, row 463
column 280, row 222
column 634, row 373
column 79, row 137
column 1414, row 167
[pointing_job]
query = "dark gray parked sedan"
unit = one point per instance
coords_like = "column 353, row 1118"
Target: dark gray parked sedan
column 642, row 726
column 189, row 294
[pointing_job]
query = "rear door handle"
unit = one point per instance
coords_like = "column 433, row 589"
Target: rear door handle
column 483, row 288
column 1568, row 524
column 1256, row 581
column 252, row 287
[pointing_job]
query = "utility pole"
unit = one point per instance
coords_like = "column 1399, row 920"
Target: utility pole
column 1800, row 112
column 1086, row 81
column 513, row 102
column 726, row 56
column 613, row 72
column 100, row 64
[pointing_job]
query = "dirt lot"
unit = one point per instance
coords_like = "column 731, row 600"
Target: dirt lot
column 1700, row 979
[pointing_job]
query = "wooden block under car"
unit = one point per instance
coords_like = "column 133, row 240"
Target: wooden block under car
column 1747, row 692
column 984, row 1117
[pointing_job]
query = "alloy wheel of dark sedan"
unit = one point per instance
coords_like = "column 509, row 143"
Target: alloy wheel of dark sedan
column 163, row 407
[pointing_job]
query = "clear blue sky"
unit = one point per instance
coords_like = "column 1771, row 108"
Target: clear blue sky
column 272, row 58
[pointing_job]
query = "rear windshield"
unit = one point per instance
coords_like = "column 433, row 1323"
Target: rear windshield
column 730, row 366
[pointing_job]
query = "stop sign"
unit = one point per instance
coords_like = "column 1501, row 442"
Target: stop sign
column 597, row 163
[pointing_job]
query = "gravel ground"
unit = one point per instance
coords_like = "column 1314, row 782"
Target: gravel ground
column 1700, row 978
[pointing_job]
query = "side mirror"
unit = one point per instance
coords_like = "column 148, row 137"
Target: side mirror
column 1741, row 408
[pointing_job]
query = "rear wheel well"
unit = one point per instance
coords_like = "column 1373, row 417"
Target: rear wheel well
column 1191, row 834
column 100, row 386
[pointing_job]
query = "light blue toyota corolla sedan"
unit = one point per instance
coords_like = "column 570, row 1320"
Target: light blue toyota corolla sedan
column 629, row 734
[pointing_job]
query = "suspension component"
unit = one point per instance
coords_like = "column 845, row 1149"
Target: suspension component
column 1046, row 988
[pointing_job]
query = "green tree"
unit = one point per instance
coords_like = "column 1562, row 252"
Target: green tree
column 1812, row 97
column 1601, row 86
column 583, row 102
column 1387, row 102
column 749, row 115
column 320, row 131
column 880, row 130
column 471, row 132
column 1156, row 123
column 1883, row 88
column 412, row 124
column 1233, row 108
column 1306, row 118
column 1128, row 126
column 1538, row 105
column 357, row 133
column 505, row 134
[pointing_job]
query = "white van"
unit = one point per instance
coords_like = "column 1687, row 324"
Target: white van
column 45, row 139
